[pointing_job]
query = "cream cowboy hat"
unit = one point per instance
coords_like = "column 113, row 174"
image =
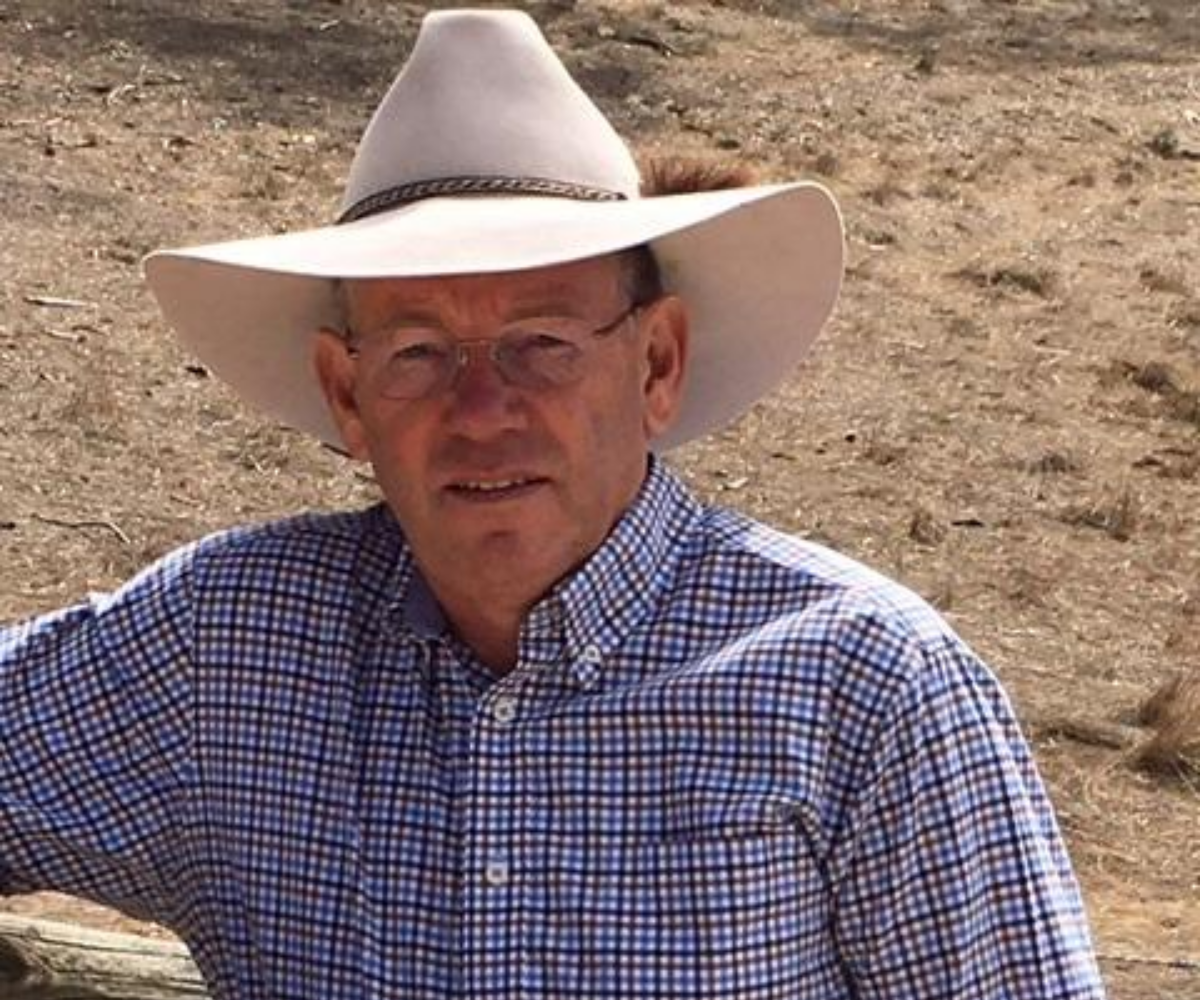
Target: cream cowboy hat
column 486, row 156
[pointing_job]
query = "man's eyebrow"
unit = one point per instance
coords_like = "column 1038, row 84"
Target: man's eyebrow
column 556, row 300
column 403, row 316
column 536, row 304
column 542, row 311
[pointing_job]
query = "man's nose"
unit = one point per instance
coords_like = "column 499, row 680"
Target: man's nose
column 470, row 354
column 479, row 391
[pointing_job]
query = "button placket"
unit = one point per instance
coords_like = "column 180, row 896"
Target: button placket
column 490, row 914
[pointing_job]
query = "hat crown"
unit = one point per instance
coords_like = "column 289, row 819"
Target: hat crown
column 484, row 95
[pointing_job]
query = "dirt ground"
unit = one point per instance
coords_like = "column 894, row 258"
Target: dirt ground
column 1005, row 413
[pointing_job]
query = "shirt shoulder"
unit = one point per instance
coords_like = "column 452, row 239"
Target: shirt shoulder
column 770, row 574
column 363, row 544
column 298, row 535
column 296, row 560
column 820, row 629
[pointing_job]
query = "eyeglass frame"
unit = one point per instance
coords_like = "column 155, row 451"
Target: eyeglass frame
column 460, row 351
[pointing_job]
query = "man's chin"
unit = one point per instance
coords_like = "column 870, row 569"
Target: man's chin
column 512, row 565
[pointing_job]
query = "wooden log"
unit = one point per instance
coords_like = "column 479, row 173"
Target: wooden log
column 45, row 960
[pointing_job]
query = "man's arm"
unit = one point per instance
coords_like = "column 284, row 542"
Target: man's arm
column 94, row 755
column 952, row 880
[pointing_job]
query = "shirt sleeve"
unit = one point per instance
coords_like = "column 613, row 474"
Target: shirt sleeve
column 95, row 749
column 952, row 880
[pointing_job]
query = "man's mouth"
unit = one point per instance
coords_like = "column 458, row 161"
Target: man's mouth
column 494, row 489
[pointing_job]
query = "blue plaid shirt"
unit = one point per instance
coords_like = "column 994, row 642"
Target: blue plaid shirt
column 728, row 764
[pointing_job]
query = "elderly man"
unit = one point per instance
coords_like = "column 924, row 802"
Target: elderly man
column 541, row 724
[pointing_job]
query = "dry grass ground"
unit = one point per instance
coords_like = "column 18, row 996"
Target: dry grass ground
column 1172, row 714
column 1006, row 413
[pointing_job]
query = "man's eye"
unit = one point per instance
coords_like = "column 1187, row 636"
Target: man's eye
column 418, row 352
column 542, row 342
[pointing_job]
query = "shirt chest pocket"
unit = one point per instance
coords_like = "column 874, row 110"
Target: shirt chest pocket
column 737, row 910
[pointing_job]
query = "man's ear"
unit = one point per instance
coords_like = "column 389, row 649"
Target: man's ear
column 666, row 363
column 335, row 371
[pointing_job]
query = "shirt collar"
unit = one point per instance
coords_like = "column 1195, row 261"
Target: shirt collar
column 420, row 609
column 599, row 605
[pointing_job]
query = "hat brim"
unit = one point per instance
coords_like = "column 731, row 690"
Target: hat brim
column 759, row 268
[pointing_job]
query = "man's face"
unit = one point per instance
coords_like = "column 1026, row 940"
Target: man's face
column 494, row 483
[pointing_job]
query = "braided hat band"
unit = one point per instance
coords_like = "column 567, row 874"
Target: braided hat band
column 406, row 194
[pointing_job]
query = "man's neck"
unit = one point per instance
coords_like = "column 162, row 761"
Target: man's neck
column 492, row 630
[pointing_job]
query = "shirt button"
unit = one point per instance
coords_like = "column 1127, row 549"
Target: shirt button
column 496, row 873
column 592, row 655
column 504, row 709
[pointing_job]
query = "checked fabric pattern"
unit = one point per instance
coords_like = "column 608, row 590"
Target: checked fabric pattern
column 729, row 764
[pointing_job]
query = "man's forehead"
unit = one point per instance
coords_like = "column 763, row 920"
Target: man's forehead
column 561, row 286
